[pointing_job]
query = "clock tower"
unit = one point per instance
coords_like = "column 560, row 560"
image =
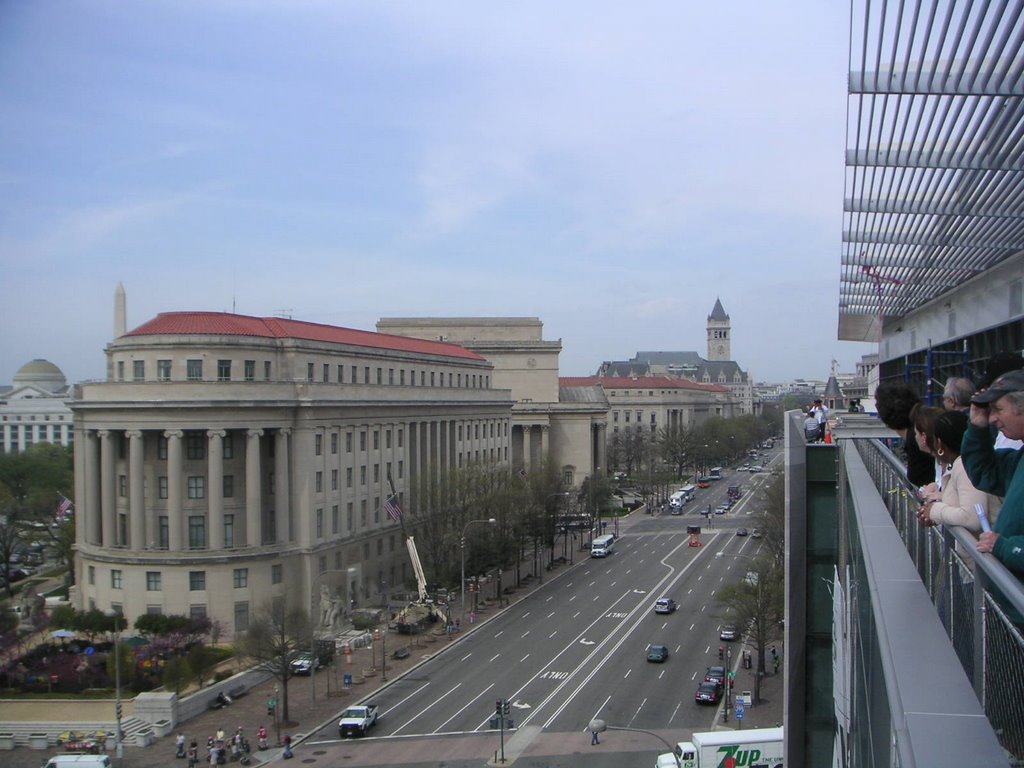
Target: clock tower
column 718, row 334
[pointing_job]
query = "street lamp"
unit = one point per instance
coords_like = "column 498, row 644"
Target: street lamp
column 118, row 745
column 462, row 550
column 600, row 726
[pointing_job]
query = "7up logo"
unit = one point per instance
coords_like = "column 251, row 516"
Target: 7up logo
column 734, row 757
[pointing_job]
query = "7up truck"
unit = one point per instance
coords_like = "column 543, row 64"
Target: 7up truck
column 756, row 748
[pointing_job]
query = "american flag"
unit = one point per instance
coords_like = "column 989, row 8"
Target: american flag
column 63, row 507
column 391, row 507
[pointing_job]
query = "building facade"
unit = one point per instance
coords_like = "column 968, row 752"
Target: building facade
column 35, row 408
column 230, row 460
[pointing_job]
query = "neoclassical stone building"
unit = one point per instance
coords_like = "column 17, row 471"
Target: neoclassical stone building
column 35, row 408
column 228, row 460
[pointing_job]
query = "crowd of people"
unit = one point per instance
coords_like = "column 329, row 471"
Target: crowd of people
column 963, row 456
column 220, row 749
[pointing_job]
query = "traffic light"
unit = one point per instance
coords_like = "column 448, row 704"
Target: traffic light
column 721, row 653
column 271, row 706
column 498, row 708
column 119, row 710
column 507, row 708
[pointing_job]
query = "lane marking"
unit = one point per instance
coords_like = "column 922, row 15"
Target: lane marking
column 434, row 703
column 464, row 707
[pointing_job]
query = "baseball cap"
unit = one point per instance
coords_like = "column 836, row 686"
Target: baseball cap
column 1004, row 385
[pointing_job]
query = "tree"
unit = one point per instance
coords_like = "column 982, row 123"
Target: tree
column 278, row 629
column 201, row 659
column 756, row 605
column 177, row 673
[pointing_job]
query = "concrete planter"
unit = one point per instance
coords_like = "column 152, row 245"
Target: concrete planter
column 38, row 741
column 144, row 738
column 6, row 741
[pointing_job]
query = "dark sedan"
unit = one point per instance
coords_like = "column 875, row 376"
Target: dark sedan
column 708, row 692
column 657, row 653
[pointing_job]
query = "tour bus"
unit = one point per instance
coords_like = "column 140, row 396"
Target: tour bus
column 602, row 546
column 715, row 473
column 689, row 491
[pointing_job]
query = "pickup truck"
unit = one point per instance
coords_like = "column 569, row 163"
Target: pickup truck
column 357, row 720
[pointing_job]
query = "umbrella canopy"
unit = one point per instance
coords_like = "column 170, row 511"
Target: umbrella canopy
column 61, row 634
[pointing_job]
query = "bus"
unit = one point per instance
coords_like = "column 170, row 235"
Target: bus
column 602, row 546
column 715, row 473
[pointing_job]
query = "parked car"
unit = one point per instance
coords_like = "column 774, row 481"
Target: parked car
column 728, row 632
column 741, row 531
column 657, row 653
column 708, row 692
column 303, row 664
column 756, row 533
column 715, row 675
column 665, row 605
column 721, row 509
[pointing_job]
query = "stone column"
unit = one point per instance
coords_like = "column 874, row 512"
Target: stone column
column 253, row 497
column 602, row 447
column 107, row 488
column 544, row 440
column 527, row 445
column 136, row 492
column 215, row 501
column 93, row 526
column 175, row 482
column 282, row 485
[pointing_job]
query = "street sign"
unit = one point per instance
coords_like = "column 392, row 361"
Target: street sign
column 347, row 680
column 739, row 712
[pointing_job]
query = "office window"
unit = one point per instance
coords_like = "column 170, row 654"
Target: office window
column 401, row 377
column 163, row 370
column 228, row 482
column 387, row 439
column 380, row 547
column 319, row 523
column 432, row 378
column 196, row 581
column 348, row 442
column 276, row 574
column 227, row 446
column 326, row 373
column 376, row 509
column 355, row 376
column 163, row 532
column 366, row 374
column 266, row 370
column 376, row 440
column 249, row 370
column 401, row 469
column 223, row 370
column 115, row 579
column 334, row 519
column 319, row 481
column 197, row 612
column 122, row 485
column 362, row 440
column 387, row 469
column 341, row 374
column 309, row 371
column 362, row 513
column 423, row 378
column 161, row 484
column 120, row 370
column 240, row 579
column 362, row 474
column 348, row 477
column 197, row 487
column 337, row 560
column 271, row 483
column 194, row 370
column 161, row 448
column 153, row 581
column 322, row 564
column 139, row 370
column 348, row 516
column 334, row 479
column 376, row 473
column 401, row 436
column 92, row 574
column 380, row 376
column 195, row 446
column 241, row 617
column 334, row 442
column 318, row 445
column 229, row 531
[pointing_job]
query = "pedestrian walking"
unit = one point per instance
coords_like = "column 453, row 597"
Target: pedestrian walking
column 288, row 754
column 775, row 664
column 593, row 738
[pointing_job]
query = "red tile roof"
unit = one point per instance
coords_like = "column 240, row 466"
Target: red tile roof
column 226, row 324
column 643, row 382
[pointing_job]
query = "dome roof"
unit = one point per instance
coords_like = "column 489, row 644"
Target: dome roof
column 42, row 374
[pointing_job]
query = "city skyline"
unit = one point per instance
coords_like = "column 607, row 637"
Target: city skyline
column 610, row 171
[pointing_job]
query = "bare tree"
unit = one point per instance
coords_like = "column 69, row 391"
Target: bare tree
column 276, row 632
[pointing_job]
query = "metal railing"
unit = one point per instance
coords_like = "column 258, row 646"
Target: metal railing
column 979, row 602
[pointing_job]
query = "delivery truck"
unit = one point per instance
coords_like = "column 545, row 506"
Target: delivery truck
column 755, row 748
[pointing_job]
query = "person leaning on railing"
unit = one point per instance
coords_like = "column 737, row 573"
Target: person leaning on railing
column 995, row 471
column 894, row 401
column 956, row 503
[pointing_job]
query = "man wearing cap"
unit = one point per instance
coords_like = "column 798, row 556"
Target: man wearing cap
column 996, row 471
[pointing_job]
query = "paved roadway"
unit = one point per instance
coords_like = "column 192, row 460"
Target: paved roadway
column 572, row 650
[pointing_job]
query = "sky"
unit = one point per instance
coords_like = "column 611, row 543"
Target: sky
column 610, row 168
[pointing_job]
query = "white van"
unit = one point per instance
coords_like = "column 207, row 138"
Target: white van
column 79, row 761
column 602, row 546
